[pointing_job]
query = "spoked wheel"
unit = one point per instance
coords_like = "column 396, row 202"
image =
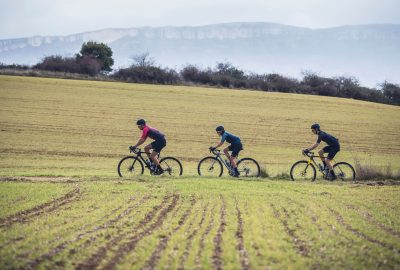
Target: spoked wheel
column 302, row 170
column 129, row 167
column 344, row 171
column 248, row 167
column 171, row 166
column 210, row 166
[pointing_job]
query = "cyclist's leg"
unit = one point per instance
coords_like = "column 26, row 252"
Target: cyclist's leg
column 321, row 154
column 226, row 151
column 157, row 147
column 331, row 154
column 147, row 149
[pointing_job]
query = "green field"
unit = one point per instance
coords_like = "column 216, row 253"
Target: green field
column 63, row 206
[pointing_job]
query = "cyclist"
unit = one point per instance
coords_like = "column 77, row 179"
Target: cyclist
column 332, row 148
column 236, row 146
column 157, row 145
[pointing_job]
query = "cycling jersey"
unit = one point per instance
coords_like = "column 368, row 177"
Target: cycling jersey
column 230, row 138
column 152, row 133
column 329, row 139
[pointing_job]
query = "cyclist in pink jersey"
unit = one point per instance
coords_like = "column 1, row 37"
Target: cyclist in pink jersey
column 157, row 145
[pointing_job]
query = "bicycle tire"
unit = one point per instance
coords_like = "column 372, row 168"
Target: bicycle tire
column 204, row 170
column 171, row 166
column 298, row 165
column 126, row 167
column 344, row 171
column 248, row 167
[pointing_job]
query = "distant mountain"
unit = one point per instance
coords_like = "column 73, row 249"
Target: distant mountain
column 368, row 52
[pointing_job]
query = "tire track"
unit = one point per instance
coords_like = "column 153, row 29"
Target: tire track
column 359, row 234
column 203, row 237
column 244, row 257
column 48, row 207
column 130, row 245
column 62, row 246
column 96, row 258
column 152, row 262
column 299, row 244
column 217, row 255
column 373, row 221
column 190, row 237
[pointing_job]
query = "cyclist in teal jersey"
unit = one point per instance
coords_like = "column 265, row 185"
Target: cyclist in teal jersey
column 236, row 146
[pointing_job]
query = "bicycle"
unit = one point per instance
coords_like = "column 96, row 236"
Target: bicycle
column 133, row 165
column 305, row 170
column 212, row 166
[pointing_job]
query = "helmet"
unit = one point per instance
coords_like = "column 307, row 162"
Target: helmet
column 220, row 128
column 315, row 126
column 141, row 122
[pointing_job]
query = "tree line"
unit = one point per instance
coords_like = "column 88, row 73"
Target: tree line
column 96, row 58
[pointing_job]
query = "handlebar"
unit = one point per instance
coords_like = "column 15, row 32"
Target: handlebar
column 214, row 151
column 308, row 154
column 135, row 151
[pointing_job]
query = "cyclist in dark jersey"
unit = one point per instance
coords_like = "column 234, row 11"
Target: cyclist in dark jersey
column 236, row 146
column 158, row 144
column 332, row 148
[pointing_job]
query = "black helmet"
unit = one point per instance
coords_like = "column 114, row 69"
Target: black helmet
column 315, row 126
column 220, row 128
column 141, row 122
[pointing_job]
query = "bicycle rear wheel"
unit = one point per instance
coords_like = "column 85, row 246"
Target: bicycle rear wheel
column 302, row 170
column 248, row 167
column 344, row 171
column 171, row 166
column 210, row 166
column 130, row 166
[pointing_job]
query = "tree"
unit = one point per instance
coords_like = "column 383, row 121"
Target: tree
column 391, row 92
column 100, row 51
column 143, row 60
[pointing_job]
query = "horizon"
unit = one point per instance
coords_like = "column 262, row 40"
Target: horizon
column 203, row 25
column 54, row 18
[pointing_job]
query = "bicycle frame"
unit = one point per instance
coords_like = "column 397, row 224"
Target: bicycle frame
column 139, row 155
column 312, row 161
column 218, row 156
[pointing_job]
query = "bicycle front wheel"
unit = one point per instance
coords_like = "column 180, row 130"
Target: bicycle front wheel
column 344, row 171
column 171, row 166
column 210, row 166
column 302, row 170
column 248, row 167
column 130, row 166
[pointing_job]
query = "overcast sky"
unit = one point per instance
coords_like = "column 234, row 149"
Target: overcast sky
column 22, row 18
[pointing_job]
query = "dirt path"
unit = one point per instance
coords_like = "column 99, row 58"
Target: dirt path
column 62, row 246
column 48, row 207
column 152, row 262
column 299, row 244
column 217, row 255
column 130, row 245
column 244, row 257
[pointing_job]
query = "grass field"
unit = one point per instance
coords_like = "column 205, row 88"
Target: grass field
column 62, row 205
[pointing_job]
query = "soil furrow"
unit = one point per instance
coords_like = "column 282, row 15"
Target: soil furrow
column 62, row 246
column 300, row 246
column 348, row 227
column 190, row 237
column 244, row 257
column 372, row 220
column 130, row 245
column 217, row 254
column 25, row 215
column 203, row 237
column 96, row 258
column 152, row 262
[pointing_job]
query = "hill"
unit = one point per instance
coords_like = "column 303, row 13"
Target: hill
column 368, row 52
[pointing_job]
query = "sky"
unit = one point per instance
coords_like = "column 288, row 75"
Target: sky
column 24, row 18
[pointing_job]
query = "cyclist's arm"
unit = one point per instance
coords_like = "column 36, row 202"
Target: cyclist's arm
column 219, row 144
column 313, row 147
column 140, row 141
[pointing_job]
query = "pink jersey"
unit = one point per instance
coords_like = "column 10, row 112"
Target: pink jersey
column 152, row 133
